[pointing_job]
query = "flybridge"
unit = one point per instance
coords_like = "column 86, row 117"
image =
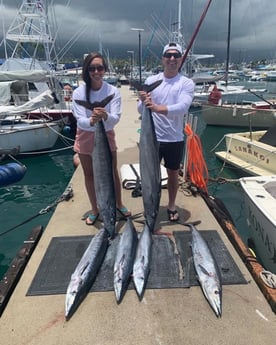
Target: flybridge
column 31, row 25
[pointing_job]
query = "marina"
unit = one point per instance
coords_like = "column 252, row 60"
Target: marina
column 145, row 279
column 166, row 314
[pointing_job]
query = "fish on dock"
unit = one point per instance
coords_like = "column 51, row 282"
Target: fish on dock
column 149, row 161
column 207, row 270
column 124, row 259
column 141, row 267
column 86, row 272
column 103, row 171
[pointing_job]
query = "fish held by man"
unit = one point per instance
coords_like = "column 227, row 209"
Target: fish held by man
column 149, row 161
column 102, row 170
column 124, row 259
column 207, row 271
column 86, row 271
column 141, row 267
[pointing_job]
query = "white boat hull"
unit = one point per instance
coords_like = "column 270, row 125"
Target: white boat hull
column 249, row 154
column 30, row 135
column 238, row 116
column 260, row 202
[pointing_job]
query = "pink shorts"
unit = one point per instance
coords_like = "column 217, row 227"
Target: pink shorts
column 84, row 141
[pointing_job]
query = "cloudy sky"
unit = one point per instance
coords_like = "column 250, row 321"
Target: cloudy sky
column 80, row 23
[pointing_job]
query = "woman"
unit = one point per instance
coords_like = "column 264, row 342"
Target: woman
column 96, row 89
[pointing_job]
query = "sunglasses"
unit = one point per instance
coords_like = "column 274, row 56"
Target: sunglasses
column 169, row 55
column 99, row 68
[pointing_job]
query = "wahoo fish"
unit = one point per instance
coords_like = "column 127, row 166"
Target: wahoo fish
column 124, row 260
column 149, row 161
column 103, row 171
column 86, row 272
column 91, row 106
column 141, row 265
column 207, row 271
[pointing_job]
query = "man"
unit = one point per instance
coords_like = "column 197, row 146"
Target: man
column 169, row 102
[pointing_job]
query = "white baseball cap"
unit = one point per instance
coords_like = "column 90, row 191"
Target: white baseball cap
column 172, row 46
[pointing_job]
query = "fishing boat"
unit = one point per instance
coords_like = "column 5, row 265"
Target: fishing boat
column 258, row 115
column 260, row 201
column 253, row 152
column 29, row 67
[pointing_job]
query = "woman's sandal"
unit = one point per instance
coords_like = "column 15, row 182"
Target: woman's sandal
column 124, row 211
column 92, row 218
column 173, row 216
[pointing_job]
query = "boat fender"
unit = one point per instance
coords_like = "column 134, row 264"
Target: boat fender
column 235, row 110
column 11, row 173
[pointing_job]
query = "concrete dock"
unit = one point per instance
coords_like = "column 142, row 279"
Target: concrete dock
column 175, row 316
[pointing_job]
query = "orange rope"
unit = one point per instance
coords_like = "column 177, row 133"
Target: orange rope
column 196, row 165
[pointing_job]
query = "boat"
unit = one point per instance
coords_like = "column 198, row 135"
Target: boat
column 28, row 135
column 271, row 76
column 254, row 152
column 258, row 115
column 29, row 68
column 260, row 201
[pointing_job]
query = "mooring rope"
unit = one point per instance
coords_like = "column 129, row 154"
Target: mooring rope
column 66, row 195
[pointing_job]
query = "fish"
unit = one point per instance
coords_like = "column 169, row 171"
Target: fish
column 97, row 104
column 124, row 259
column 141, row 267
column 207, row 270
column 86, row 271
column 150, row 170
column 103, row 171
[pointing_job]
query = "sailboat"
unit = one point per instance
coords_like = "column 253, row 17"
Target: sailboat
column 28, row 85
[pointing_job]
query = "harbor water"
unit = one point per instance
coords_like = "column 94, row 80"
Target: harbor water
column 48, row 175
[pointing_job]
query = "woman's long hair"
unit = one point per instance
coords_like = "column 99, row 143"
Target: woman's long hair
column 85, row 72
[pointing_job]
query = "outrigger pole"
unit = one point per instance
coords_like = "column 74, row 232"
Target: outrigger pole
column 195, row 34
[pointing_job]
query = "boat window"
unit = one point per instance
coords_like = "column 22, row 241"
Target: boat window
column 32, row 87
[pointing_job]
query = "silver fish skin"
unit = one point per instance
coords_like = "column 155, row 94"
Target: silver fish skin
column 207, row 271
column 124, row 259
column 141, row 267
column 149, row 165
column 86, row 272
column 103, row 179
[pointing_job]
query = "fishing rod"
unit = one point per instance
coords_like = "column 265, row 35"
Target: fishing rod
column 195, row 34
column 273, row 105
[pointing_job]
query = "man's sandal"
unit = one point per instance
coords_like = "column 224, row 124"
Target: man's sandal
column 173, row 216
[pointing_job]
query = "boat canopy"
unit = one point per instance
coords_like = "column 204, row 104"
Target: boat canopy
column 30, row 76
column 45, row 99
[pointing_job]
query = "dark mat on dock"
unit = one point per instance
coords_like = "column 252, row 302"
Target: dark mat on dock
column 64, row 253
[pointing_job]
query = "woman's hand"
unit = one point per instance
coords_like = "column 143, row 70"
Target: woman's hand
column 97, row 115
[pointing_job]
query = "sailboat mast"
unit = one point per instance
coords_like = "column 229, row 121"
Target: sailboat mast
column 179, row 19
column 228, row 43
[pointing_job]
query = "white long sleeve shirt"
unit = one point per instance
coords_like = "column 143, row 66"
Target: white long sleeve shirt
column 177, row 94
column 113, row 108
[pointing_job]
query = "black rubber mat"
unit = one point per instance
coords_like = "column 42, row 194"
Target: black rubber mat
column 64, row 253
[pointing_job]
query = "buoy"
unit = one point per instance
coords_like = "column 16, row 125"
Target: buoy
column 11, row 173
